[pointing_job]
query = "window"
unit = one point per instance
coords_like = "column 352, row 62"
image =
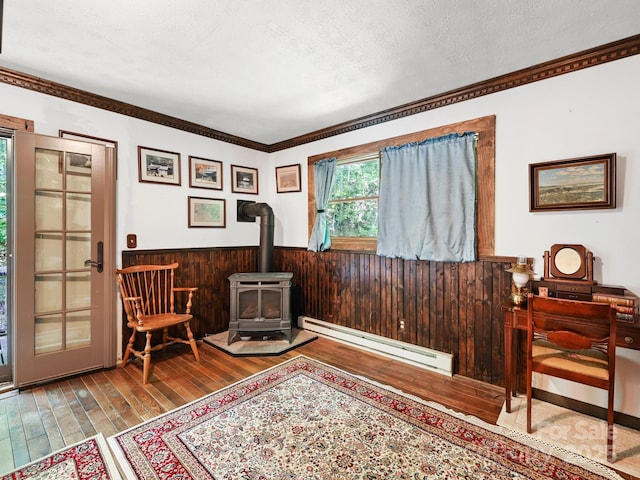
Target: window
column 353, row 205
column 484, row 126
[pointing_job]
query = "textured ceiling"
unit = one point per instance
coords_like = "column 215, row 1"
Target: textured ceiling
column 272, row 70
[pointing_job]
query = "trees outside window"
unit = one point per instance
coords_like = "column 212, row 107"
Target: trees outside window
column 353, row 205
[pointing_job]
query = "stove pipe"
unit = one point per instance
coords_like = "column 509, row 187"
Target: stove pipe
column 250, row 210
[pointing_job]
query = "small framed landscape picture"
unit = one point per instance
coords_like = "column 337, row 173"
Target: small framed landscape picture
column 205, row 173
column 288, row 179
column 577, row 183
column 244, row 179
column 158, row 166
column 207, row 212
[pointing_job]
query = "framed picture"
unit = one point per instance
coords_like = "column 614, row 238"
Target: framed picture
column 207, row 212
column 288, row 179
column 205, row 173
column 158, row 166
column 244, row 179
column 577, row 183
column 77, row 163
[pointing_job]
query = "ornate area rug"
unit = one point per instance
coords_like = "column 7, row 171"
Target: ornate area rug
column 306, row 420
column 576, row 432
column 89, row 459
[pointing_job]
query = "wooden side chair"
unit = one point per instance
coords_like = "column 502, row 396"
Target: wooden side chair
column 147, row 293
column 576, row 341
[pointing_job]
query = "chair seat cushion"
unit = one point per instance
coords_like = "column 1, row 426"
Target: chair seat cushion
column 587, row 362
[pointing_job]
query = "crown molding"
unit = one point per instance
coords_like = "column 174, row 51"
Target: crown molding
column 587, row 58
column 47, row 87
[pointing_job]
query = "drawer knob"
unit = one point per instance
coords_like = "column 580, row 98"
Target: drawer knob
column 628, row 340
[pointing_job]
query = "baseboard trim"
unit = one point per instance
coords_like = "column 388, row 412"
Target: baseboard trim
column 433, row 360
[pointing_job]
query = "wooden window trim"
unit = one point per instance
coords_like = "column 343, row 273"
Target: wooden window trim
column 486, row 129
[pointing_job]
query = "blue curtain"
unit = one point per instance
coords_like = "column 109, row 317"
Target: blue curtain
column 427, row 203
column 323, row 179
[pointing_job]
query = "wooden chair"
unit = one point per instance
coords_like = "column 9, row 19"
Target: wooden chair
column 576, row 341
column 147, row 293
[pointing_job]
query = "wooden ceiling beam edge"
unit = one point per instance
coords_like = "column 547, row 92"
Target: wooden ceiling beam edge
column 587, row 58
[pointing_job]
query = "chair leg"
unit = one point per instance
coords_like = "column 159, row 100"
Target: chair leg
column 610, row 456
column 129, row 349
column 529, row 395
column 165, row 338
column 192, row 342
column 610, row 419
column 146, row 359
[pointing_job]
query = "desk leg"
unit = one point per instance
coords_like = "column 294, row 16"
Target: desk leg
column 508, row 367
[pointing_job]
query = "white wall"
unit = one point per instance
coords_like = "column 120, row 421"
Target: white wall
column 584, row 113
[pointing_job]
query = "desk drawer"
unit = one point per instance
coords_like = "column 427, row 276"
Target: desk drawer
column 574, row 292
column 584, row 297
column 574, row 288
column 628, row 336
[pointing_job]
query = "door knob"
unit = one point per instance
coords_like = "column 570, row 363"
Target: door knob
column 96, row 263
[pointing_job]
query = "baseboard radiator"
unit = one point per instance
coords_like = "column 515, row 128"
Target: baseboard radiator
column 433, row 360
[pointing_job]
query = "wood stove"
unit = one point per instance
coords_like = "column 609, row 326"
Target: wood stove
column 260, row 302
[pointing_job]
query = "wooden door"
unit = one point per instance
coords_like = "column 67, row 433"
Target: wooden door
column 63, row 258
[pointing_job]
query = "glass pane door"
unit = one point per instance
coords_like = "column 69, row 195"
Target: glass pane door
column 62, row 244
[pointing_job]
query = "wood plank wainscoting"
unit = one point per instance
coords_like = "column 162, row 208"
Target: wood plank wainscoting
column 450, row 307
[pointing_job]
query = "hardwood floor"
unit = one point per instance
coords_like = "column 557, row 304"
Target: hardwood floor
column 45, row 418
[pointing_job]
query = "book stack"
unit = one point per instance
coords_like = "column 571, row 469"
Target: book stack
column 627, row 306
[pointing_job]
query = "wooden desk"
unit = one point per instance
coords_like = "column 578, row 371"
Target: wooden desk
column 515, row 319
